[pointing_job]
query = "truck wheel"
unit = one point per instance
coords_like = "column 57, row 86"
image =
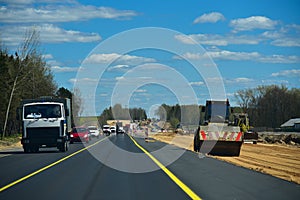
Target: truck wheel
column 196, row 143
column 34, row 148
column 64, row 147
column 26, row 148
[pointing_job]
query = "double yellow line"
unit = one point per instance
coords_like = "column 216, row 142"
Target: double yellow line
column 184, row 187
column 48, row 166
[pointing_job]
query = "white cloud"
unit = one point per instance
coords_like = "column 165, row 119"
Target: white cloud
column 61, row 13
column 185, row 39
column 289, row 73
column 275, row 82
column 239, row 56
column 230, row 55
column 251, row 23
column 218, row 40
column 118, row 67
column 121, row 59
column 120, row 78
column 197, row 83
column 140, row 91
column 103, row 95
column 83, row 80
column 272, row 34
column 287, row 42
column 286, row 36
column 47, row 56
column 49, row 33
column 240, row 80
column 279, row 59
column 189, row 56
column 212, row 17
column 221, row 55
column 18, row 2
column 59, row 69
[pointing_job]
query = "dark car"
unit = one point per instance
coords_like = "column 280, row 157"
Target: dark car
column 106, row 130
column 80, row 134
column 120, row 130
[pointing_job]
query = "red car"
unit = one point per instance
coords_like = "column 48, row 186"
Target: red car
column 80, row 134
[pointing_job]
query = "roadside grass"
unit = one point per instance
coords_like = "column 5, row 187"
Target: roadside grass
column 10, row 140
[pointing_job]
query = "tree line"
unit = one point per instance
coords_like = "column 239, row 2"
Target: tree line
column 179, row 114
column 24, row 75
column 267, row 106
column 120, row 113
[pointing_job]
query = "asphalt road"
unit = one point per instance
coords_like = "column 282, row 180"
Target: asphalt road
column 116, row 168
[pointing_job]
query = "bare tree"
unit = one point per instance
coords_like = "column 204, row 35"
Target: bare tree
column 27, row 48
column 77, row 105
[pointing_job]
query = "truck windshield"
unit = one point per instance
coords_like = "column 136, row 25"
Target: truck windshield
column 42, row 111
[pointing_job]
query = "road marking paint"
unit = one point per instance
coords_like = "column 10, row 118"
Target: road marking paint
column 184, row 187
column 49, row 166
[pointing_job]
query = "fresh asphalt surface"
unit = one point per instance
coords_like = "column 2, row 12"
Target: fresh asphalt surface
column 82, row 176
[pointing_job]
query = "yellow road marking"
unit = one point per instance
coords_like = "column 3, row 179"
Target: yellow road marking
column 48, row 166
column 184, row 187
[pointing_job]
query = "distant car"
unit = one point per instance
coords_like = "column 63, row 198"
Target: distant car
column 94, row 131
column 106, row 130
column 121, row 130
column 113, row 130
column 79, row 134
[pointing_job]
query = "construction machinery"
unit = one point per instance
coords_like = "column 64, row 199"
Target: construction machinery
column 216, row 135
column 242, row 120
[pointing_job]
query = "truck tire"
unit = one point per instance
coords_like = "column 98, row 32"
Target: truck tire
column 26, row 148
column 64, row 147
column 196, row 142
column 34, row 148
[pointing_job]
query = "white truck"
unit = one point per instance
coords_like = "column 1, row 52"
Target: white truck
column 46, row 122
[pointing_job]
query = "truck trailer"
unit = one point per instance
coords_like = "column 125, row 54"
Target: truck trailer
column 46, row 122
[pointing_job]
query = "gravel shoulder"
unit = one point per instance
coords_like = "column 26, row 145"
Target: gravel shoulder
column 279, row 160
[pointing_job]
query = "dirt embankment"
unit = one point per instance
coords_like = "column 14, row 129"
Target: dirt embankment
column 280, row 160
column 4, row 145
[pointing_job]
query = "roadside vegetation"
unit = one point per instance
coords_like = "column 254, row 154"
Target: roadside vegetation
column 10, row 140
column 24, row 74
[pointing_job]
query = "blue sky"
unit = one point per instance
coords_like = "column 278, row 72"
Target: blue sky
column 251, row 43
